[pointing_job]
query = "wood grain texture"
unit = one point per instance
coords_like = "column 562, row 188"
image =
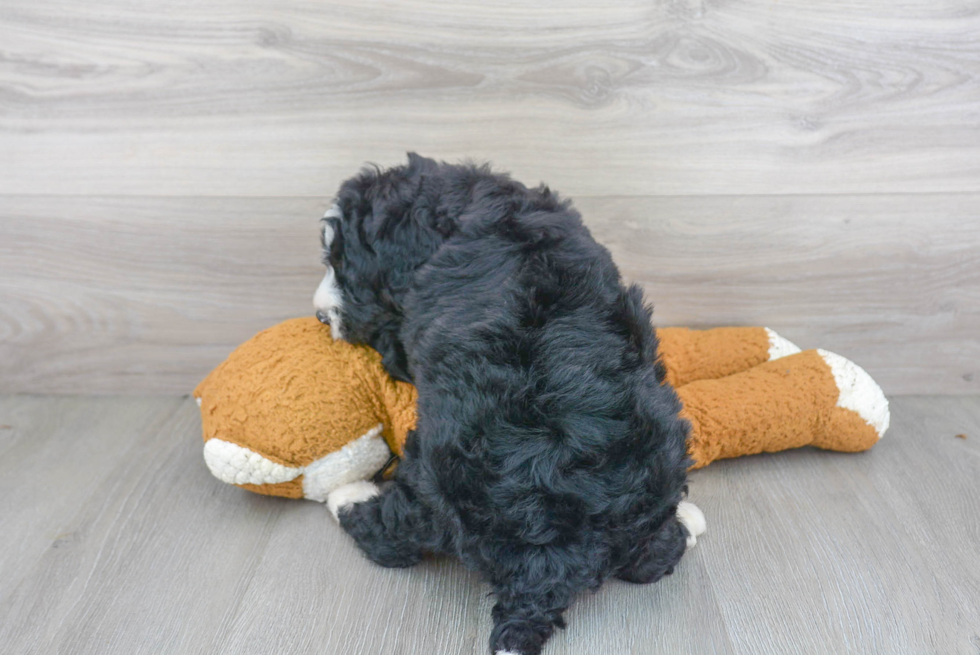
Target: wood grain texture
column 41, row 441
column 892, row 283
column 273, row 98
column 865, row 553
column 114, row 538
column 131, row 295
column 108, row 294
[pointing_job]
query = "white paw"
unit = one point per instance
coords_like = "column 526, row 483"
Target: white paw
column 236, row 465
column 693, row 519
column 351, row 494
column 858, row 391
column 780, row 347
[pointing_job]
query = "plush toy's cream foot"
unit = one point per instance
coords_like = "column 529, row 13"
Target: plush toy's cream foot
column 691, row 355
column 812, row 398
column 359, row 459
column 693, row 519
column 859, row 393
column 351, row 494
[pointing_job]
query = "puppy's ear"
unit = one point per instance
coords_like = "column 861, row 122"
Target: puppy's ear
column 392, row 351
column 417, row 164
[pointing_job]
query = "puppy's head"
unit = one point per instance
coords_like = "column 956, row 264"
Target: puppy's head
column 383, row 225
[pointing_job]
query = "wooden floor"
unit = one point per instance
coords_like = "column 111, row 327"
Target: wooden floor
column 114, row 538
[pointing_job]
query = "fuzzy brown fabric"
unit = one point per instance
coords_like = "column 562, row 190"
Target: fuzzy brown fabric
column 782, row 404
column 691, row 355
column 291, row 489
column 293, row 395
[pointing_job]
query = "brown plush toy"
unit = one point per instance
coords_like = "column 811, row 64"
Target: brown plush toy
column 293, row 413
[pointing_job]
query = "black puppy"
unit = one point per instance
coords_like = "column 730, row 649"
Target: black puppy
column 549, row 453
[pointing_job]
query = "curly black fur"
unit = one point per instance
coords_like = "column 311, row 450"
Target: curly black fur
column 549, row 453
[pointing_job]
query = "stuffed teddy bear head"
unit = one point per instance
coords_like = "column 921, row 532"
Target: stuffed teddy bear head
column 294, row 413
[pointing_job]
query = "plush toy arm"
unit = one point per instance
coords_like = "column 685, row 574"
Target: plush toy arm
column 812, row 398
column 691, row 355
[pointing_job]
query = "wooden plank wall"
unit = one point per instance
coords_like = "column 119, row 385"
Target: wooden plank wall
column 811, row 166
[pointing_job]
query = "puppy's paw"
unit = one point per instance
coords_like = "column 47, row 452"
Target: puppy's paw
column 350, row 494
column 693, row 519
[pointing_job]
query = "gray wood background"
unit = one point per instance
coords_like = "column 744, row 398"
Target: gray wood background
column 811, row 166
column 115, row 539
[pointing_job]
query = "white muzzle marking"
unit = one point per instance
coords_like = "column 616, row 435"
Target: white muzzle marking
column 328, row 297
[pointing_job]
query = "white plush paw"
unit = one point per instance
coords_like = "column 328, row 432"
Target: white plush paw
column 858, row 391
column 351, row 494
column 357, row 460
column 780, row 347
column 236, row 465
column 693, row 519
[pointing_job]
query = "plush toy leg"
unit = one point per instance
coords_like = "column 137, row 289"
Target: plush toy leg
column 690, row 355
column 812, row 398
